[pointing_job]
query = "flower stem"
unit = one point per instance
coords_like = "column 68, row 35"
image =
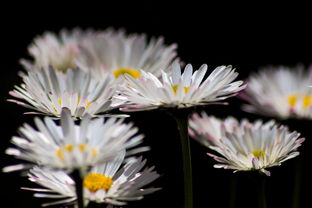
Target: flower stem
column 182, row 122
column 261, row 196
column 79, row 187
column 233, row 185
column 297, row 184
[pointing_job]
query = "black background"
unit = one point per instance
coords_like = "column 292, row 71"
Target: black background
column 248, row 37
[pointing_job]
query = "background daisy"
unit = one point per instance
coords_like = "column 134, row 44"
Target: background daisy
column 281, row 92
column 116, row 52
column 48, row 91
column 245, row 146
column 56, row 50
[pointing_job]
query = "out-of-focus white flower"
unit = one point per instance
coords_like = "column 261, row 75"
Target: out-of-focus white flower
column 109, row 183
column 119, row 53
column 71, row 146
column 179, row 90
column 48, row 91
column 280, row 92
column 56, row 50
column 245, row 146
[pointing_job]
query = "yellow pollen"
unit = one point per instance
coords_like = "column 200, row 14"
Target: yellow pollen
column 93, row 152
column 59, row 100
column 96, row 181
column 82, row 147
column 307, row 101
column 186, row 89
column 69, row 148
column 175, row 88
column 88, row 104
column 258, row 153
column 132, row 72
column 59, row 154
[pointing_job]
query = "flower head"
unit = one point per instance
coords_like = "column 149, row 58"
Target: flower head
column 280, row 92
column 109, row 183
column 56, row 50
column 119, row 53
column 245, row 146
column 71, row 146
column 180, row 90
column 48, row 91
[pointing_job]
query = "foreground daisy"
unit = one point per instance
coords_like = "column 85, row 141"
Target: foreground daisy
column 245, row 146
column 56, row 50
column 180, row 90
column 109, row 183
column 119, row 53
column 280, row 92
column 48, row 91
column 71, row 146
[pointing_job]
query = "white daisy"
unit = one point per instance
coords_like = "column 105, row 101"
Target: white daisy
column 281, row 92
column 48, row 91
column 56, row 50
column 119, row 53
column 70, row 146
column 245, row 146
column 179, row 90
column 108, row 183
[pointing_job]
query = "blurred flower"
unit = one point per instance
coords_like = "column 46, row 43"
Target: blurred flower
column 179, row 90
column 119, row 53
column 48, row 91
column 280, row 92
column 56, row 50
column 71, row 146
column 245, row 146
column 106, row 183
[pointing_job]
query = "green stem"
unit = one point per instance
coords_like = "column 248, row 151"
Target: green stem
column 262, row 198
column 297, row 184
column 232, row 191
column 79, row 187
column 182, row 122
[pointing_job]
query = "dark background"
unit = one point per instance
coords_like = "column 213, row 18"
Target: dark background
column 247, row 38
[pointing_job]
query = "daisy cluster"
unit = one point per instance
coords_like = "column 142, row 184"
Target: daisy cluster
column 79, row 79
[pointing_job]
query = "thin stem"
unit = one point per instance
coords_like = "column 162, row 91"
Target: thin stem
column 297, row 184
column 182, row 122
column 79, row 187
column 232, row 191
column 261, row 196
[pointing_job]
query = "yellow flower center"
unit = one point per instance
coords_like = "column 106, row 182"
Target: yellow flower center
column 69, row 148
column 306, row 101
column 64, row 59
column 132, row 72
column 88, row 103
column 175, row 89
column 63, row 67
column 60, row 101
column 96, row 181
column 258, row 153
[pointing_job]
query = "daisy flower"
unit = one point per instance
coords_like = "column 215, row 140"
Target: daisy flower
column 70, row 146
column 179, row 90
column 109, row 183
column 245, row 146
column 56, row 50
column 48, row 91
column 280, row 92
column 119, row 53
